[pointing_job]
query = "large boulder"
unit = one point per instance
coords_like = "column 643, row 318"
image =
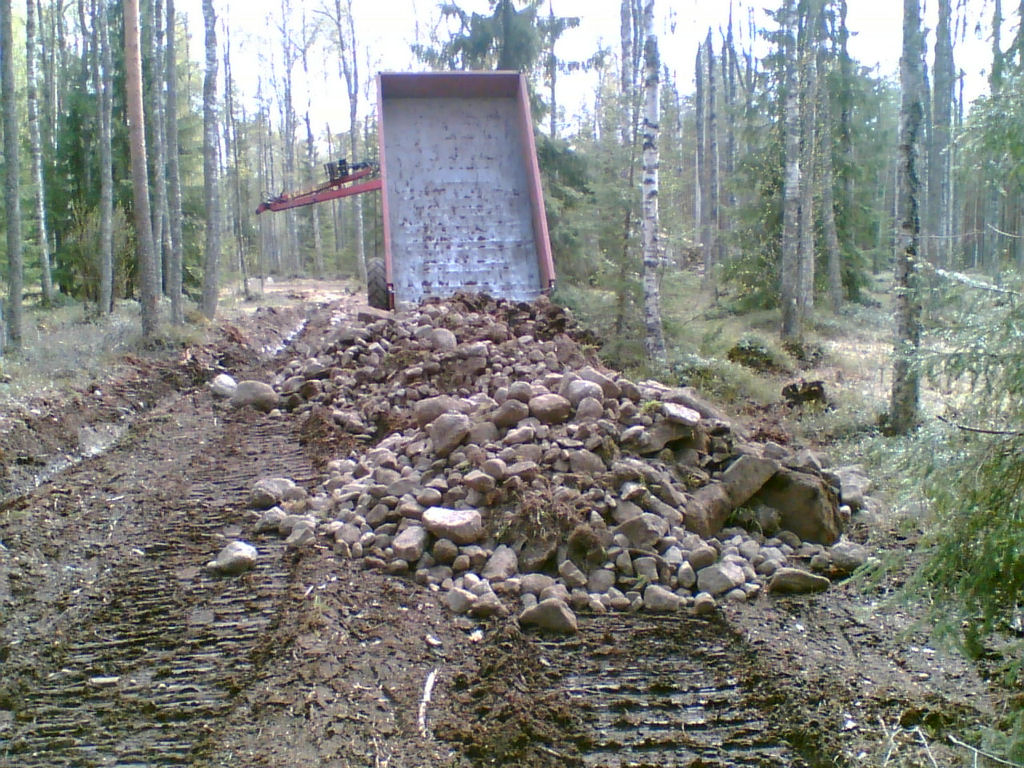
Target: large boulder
column 807, row 505
column 711, row 505
column 794, row 581
column 550, row 408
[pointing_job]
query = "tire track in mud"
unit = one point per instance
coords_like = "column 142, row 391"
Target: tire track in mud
column 666, row 691
column 150, row 653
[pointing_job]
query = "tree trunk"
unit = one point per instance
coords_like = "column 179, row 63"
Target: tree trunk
column 318, row 248
column 790, row 261
column 232, row 150
column 904, row 404
column 159, row 133
column 175, row 260
column 349, row 63
column 939, row 145
column 13, row 312
column 104, row 86
column 827, row 181
column 654, row 340
column 808, row 105
column 36, row 150
column 148, row 283
column 211, row 269
column 712, row 201
column 699, row 212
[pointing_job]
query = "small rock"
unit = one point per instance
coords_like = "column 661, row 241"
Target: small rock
column 703, row 604
column 702, row 556
column 460, row 600
column 270, row 521
column 535, row 583
column 719, row 578
column 410, row 544
column 501, row 565
column 550, row 408
column 572, row 575
column 660, row 600
column 847, row 556
column 552, row 615
column 447, row 432
column 237, row 557
column 462, row 526
column 255, row 394
column 795, row 581
column 223, row 385
column 269, row 491
column 600, row 580
column 302, row 536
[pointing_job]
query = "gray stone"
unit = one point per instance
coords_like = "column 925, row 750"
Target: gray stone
column 643, row 531
column 807, row 505
column 583, row 462
column 447, row 432
column 600, row 580
column 646, row 567
column 535, row 583
column 686, row 576
column 255, row 394
column 580, row 389
column 290, row 522
column 703, row 604
column 550, row 408
column 510, row 413
column 501, row 565
column 660, row 600
column 609, row 387
column 442, row 340
column 460, row 600
column 854, row 485
column 410, row 544
column 270, row 521
column 589, row 408
column 702, row 556
column 572, row 575
column 427, row 410
column 462, row 526
column 270, row 491
column 223, row 385
column 847, row 556
column 796, row 581
column 719, row 578
column 680, row 414
column 552, row 615
column 555, row 589
column 479, row 481
column 301, row 536
column 237, row 557
column 488, row 605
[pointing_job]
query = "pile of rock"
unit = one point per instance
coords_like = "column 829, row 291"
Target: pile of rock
column 509, row 470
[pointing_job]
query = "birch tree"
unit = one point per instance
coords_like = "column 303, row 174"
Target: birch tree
column 808, row 105
column 36, row 149
column 13, row 312
column 211, row 281
column 654, row 340
column 904, row 402
column 148, row 282
column 939, row 144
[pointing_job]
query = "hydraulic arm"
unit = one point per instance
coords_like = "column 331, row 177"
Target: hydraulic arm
column 340, row 177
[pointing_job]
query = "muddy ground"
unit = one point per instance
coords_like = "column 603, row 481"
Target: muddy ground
column 118, row 649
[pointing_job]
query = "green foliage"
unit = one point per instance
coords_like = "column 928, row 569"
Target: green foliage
column 974, row 477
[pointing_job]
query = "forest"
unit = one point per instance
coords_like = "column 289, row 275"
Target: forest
column 779, row 189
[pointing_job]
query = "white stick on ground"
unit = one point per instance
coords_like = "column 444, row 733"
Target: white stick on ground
column 428, row 689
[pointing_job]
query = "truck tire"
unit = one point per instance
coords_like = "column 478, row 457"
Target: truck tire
column 377, row 284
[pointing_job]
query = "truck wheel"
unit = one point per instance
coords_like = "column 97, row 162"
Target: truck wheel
column 377, row 284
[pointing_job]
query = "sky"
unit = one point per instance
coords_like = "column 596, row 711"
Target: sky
column 387, row 28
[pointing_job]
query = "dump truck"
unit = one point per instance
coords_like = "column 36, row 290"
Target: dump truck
column 461, row 201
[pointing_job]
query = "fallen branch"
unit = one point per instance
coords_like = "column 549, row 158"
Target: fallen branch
column 982, row 430
column 983, row 753
column 428, row 689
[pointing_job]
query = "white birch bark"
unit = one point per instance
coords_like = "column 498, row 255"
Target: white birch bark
column 654, row 339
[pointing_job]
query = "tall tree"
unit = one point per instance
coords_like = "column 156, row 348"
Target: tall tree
column 36, row 148
column 710, row 198
column 176, row 256
column 348, row 61
column 827, row 176
column 808, row 137
column 790, row 268
column 13, row 312
column 148, row 279
column 904, row 401
column 103, row 77
column 654, row 339
column 939, row 241
column 211, row 196
column 158, row 132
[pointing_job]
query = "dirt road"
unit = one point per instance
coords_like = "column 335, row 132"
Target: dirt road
column 119, row 649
